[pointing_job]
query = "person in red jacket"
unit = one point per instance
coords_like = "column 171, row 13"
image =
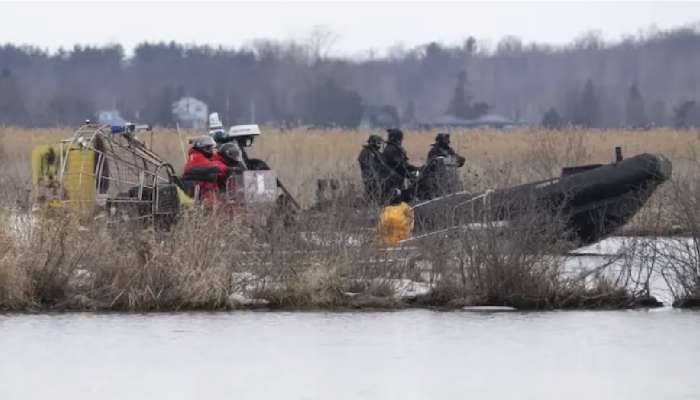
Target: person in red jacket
column 201, row 174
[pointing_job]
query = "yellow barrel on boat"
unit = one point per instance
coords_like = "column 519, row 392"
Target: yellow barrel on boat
column 395, row 223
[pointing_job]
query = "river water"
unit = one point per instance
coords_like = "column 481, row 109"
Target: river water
column 415, row 354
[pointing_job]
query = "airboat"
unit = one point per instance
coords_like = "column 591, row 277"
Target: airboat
column 110, row 170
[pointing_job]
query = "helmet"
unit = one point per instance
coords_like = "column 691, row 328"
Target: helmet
column 204, row 144
column 374, row 140
column 230, row 152
column 215, row 122
column 244, row 130
column 395, row 135
column 219, row 135
column 443, row 139
column 243, row 134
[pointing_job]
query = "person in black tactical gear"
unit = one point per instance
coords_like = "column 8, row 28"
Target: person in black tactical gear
column 241, row 139
column 396, row 159
column 230, row 154
column 441, row 148
column 373, row 169
column 440, row 172
column 228, row 160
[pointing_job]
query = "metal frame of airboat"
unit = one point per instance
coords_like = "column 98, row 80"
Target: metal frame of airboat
column 122, row 172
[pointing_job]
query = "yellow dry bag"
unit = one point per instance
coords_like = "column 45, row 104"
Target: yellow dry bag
column 395, row 224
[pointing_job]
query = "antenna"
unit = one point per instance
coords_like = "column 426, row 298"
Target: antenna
column 179, row 137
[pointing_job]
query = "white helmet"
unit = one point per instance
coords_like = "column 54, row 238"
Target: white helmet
column 243, row 130
column 242, row 134
column 215, row 122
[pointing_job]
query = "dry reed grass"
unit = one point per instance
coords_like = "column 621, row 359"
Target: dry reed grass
column 61, row 262
column 495, row 158
column 209, row 261
column 522, row 265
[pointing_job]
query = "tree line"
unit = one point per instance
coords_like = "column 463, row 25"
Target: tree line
column 652, row 79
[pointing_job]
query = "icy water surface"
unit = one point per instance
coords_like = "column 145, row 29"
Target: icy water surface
column 385, row 355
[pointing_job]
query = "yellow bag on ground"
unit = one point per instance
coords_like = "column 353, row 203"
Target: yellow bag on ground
column 395, row 224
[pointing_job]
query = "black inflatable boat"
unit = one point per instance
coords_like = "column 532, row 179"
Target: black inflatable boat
column 593, row 200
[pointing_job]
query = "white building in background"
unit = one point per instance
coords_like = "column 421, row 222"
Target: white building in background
column 110, row 117
column 191, row 113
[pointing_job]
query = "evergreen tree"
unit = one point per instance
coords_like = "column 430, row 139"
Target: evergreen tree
column 657, row 113
column 331, row 105
column 478, row 109
column 12, row 110
column 636, row 114
column 588, row 111
column 164, row 115
column 687, row 114
column 460, row 104
column 470, row 45
column 551, row 119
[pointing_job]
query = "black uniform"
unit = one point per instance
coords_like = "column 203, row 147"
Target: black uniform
column 439, row 150
column 396, row 159
column 440, row 173
column 374, row 172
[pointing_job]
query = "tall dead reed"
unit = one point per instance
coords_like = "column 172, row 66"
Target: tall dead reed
column 515, row 252
column 212, row 258
column 679, row 255
column 328, row 256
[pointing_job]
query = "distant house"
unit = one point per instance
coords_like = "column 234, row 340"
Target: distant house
column 110, row 117
column 485, row 121
column 191, row 113
column 379, row 117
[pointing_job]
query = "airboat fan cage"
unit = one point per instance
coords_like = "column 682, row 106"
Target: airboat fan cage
column 102, row 166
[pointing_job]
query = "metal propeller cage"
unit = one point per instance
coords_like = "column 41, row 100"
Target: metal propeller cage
column 112, row 169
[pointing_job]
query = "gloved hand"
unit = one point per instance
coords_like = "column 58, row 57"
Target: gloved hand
column 233, row 171
column 460, row 161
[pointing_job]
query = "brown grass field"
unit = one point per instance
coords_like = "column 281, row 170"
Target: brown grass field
column 495, row 158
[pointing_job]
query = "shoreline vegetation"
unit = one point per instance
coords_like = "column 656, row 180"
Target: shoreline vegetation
column 219, row 259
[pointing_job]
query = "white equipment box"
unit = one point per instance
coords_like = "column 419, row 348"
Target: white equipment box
column 259, row 186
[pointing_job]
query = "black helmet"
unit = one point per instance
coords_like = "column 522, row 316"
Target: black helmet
column 204, row 144
column 374, row 140
column 230, row 152
column 219, row 136
column 395, row 135
column 443, row 139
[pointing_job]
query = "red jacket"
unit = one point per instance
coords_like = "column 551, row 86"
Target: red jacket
column 202, row 172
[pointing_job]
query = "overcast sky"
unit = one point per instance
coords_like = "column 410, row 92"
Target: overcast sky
column 358, row 26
